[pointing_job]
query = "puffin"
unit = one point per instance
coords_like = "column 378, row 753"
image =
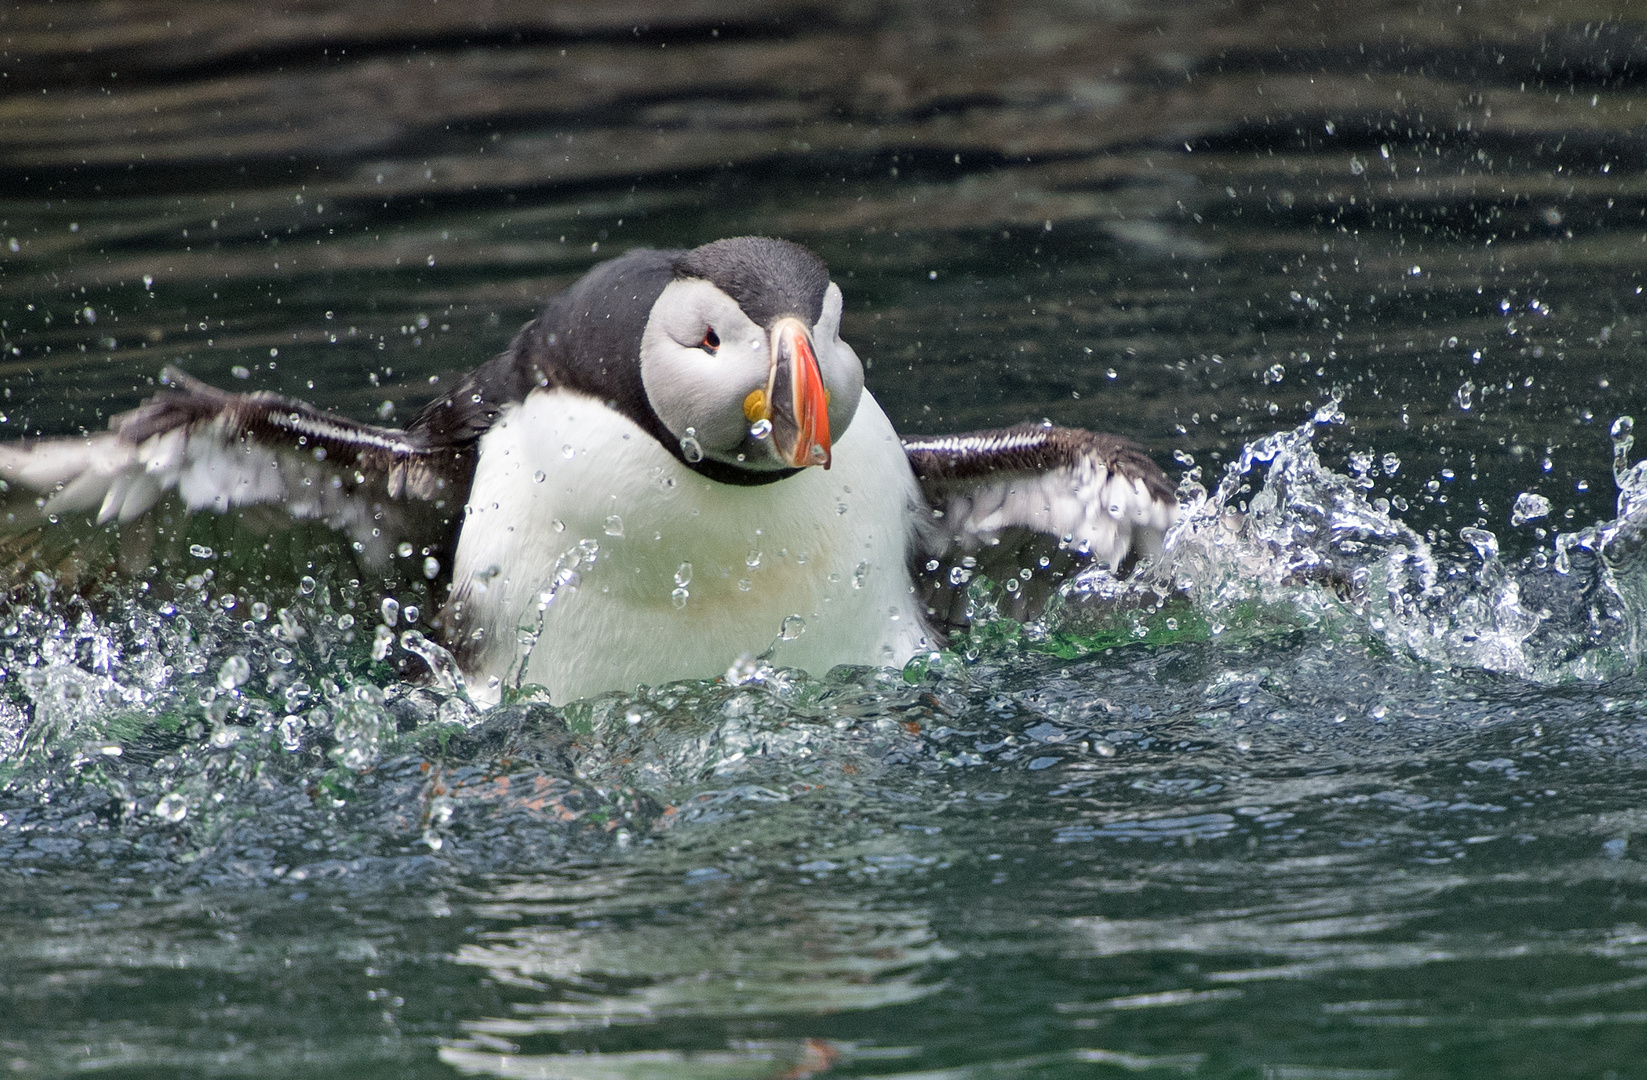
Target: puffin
column 674, row 466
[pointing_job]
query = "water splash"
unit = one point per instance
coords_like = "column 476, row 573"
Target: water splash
column 563, row 578
column 174, row 714
column 122, row 710
column 1281, row 532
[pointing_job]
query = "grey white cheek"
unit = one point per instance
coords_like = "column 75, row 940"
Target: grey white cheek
column 698, row 393
column 843, row 374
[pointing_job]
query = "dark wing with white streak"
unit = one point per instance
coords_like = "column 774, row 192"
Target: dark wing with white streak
column 1031, row 505
column 218, row 451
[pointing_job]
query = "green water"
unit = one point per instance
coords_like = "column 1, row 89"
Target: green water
column 1327, row 814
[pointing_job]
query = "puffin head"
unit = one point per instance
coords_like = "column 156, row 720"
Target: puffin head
column 742, row 358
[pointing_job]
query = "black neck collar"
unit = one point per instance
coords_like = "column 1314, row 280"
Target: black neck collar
column 722, row 473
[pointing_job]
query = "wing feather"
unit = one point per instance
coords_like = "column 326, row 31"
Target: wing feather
column 220, row 451
column 1032, row 503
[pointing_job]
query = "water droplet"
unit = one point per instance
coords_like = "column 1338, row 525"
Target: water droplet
column 679, row 597
column 1464, row 394
column 540, row 476
column 411, row 612
column 260, row 611
column 148, row 279
column 760, row 430
column 959, row 575
column 793, row 627
column 691, row 449
column 201, row 551
column 1484, row 542
column 567, row 452
column 1356, row 167
column 753, row 560
column 1529, row 507
column 382, row 639
column 558, row 525
column 683, row 574
column 404, row 550
column 391, row 610
column 281, row 655
column 172, row 807
column 431, row 567
column 306, row 586
column 234, row 672
column 931, row 565
column 859, row 572
column 344, row 622
column 745, row 669
column 614, row 525
column 744, row 585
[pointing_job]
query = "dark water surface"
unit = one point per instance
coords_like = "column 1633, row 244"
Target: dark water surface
column 1364, row 799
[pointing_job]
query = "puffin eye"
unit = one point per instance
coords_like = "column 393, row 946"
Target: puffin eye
column 711, row 340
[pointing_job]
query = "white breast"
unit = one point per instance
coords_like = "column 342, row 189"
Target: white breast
column 562, row 475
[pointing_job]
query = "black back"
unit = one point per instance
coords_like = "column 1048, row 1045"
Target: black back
column 588, row 338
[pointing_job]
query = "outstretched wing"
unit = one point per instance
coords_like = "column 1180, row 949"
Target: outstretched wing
column 1028, row 506
column 218, row 451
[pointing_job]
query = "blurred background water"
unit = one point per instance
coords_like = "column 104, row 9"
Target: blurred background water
column 1363, row 800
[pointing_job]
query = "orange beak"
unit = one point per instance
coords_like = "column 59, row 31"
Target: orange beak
column 800, row 404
